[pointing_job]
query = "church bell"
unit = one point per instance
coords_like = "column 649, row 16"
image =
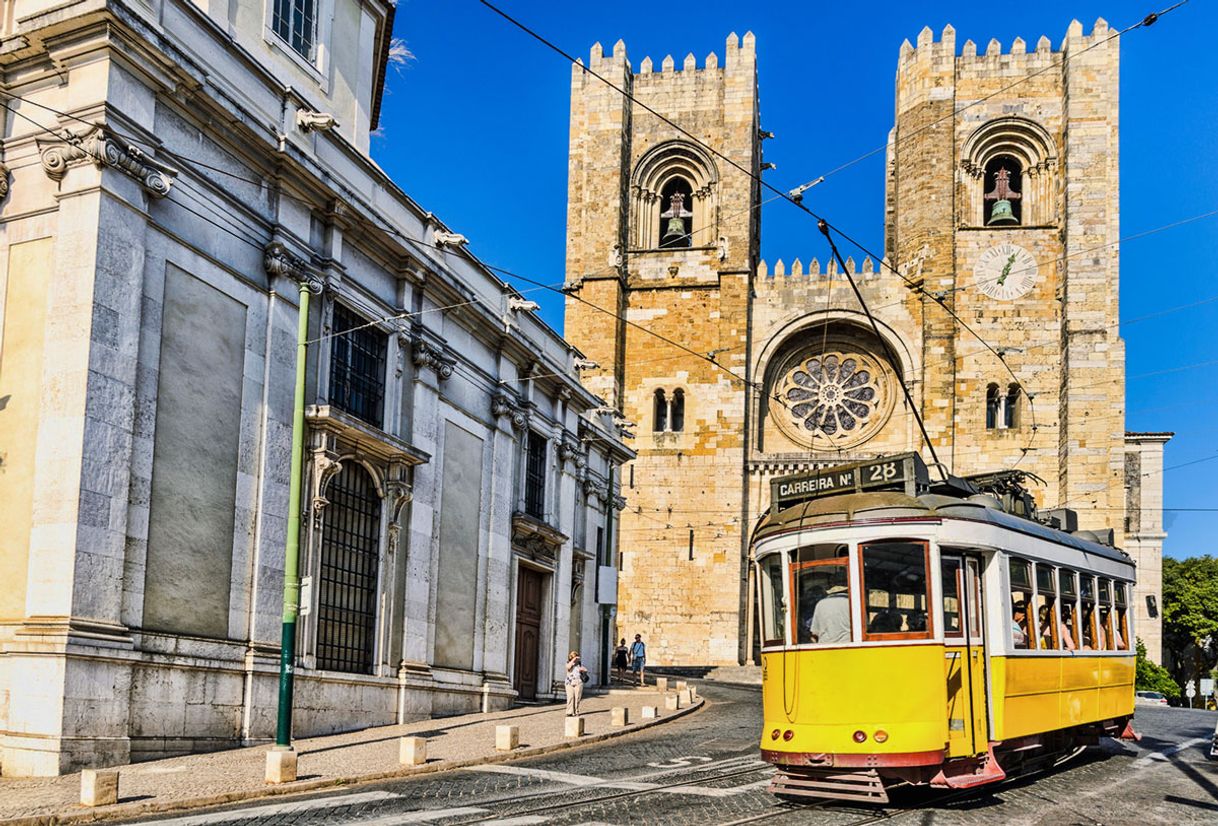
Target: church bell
column 675, row 231
column 1002, row 214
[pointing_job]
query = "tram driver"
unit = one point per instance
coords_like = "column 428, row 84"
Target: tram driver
column 831, row 619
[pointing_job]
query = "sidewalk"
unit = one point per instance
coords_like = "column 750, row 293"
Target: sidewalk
column 199, row 780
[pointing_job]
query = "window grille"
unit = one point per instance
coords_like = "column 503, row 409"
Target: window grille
column 350, row 556
column 296, row 22
column 357, row 367
column 535, row 477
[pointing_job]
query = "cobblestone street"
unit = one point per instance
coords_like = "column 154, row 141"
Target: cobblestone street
column 703, row 769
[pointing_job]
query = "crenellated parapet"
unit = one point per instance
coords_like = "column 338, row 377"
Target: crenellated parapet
column 738, row 52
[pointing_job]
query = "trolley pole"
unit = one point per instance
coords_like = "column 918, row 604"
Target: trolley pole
column 291, row 561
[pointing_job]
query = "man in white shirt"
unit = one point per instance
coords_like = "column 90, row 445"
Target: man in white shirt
column 831, row 619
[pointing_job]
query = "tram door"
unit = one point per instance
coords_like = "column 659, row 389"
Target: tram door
column 968, row 730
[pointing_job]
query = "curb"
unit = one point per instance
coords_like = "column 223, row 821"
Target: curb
column 126, row 810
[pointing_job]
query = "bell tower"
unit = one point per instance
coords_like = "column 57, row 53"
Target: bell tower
column 663, row 234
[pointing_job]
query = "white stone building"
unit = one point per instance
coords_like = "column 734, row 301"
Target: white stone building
column 172, row 169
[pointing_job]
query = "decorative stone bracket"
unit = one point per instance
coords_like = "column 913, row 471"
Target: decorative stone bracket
column 101, row 147
column 569, row 449
column 325, row 466
column 505, row 404
column 278, row 260
column 398, row 493
column 425, row 354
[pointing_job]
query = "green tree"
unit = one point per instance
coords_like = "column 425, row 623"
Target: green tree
column 1149, row 676
column 1190, row 614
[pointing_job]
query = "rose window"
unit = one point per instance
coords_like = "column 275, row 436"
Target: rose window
column 841, row 397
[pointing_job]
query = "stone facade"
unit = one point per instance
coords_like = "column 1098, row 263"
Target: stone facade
column 180, row 172
column 1042, row 291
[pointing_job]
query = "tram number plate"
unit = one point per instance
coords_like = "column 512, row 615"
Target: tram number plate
column 828, row 481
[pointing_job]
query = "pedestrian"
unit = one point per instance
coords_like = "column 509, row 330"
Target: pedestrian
column 620, row 659
column 638, row 658
column 577, row 675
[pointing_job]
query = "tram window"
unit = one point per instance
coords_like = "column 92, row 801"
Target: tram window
column 1087, row 615
column 1121, row 617
column 952, row 575
column 1021, row 599
column 1069, row 603
column 1048, row 631
column 773, row 612
column 822, row 594
column 895, row 585
column 1110, row 634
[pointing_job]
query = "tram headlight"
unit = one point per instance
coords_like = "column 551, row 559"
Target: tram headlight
column 774, row 734
column 880, row 736
column 788, row 734
column 860, row 736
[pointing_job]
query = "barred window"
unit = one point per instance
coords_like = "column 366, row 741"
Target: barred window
column 296, row 22
column 357, row 367
column 535, row 476
column 350, row 557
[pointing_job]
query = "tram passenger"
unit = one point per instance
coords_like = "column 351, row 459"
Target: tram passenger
column 885, row 622
column 917, row 620
column 1045, row 616
column 1065, row 628
column 1019, row 621
column 831, row 620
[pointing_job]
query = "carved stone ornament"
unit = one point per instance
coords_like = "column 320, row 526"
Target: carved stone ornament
column 427, row 355
column 592, row 485
column 504, row 404
column 4, row 182
column 619, row 503
column 398, row 493
column 97, row 145
column 277, row 260
column 571, row 449
column 325, row 466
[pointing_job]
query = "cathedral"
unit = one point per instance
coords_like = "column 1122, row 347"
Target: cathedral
column 996, row 299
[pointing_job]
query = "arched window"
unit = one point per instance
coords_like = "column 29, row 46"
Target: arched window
column 1010, row 411
column 1028, row 154
column 347, row 580
column 659, row 415
column 678, row 410
column 1003, row 192
column 993, row 403
column 676, row 224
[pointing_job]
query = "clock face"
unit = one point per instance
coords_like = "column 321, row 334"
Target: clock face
column 1006, row 271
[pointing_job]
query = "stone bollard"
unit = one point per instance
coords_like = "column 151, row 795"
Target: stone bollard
column 672, row 702
column 619, row 716
column 682, row 685
column 693, row 692
column 98, row 787
column 661, row 684
column 280, row 766
column 686, row 697
column 507, row 737
column 574, row 727
column 412, row 751
column 650, row 712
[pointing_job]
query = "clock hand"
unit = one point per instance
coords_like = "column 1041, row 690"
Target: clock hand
column 1005, row 271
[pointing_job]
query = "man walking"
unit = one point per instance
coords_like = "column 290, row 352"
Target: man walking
column 638, row 658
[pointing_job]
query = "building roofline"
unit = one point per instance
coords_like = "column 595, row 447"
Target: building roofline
column 382, row 67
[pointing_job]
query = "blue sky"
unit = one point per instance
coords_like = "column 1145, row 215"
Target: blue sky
column 475, row 129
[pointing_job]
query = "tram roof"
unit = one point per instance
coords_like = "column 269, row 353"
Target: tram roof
column 888, row 505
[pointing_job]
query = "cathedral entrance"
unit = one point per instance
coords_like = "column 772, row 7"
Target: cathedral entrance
column 529, row 591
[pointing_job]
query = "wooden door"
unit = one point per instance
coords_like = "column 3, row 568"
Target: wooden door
column 528, row 631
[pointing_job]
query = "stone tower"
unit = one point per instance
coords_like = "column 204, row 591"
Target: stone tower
column 665, row 234
column 1041, row 286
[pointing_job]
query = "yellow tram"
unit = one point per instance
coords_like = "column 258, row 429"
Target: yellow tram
column 932, row 633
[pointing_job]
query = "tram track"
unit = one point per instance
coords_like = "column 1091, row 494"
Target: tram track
column 585, row 801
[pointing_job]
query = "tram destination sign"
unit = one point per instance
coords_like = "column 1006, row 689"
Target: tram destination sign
column 906, row 473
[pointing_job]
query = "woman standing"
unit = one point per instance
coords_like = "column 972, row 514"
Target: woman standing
column 619, row 660
column 577, row 675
